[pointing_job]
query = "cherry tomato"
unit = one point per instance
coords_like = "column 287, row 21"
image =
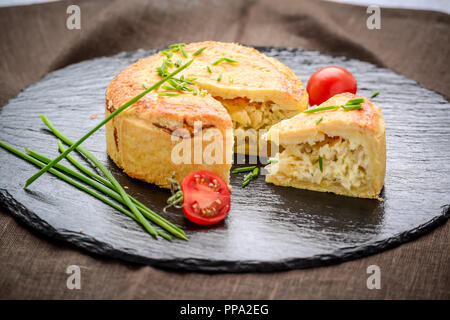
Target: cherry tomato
column 206, row 197
column 329, row 81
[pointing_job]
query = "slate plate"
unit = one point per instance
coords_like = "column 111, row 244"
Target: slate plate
column 269, row 228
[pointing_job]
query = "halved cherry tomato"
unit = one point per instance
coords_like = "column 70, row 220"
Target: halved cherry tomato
column 206, row 197
column 329, row 81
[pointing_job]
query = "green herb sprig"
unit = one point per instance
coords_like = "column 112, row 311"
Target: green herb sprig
column 199, row 51
column 151, row 215
column 249, row 177
column 224, row 60
column 107, row 119
column 319, row 121
column 69, row 180
column 243, row 169
column 353, row 104
column 320, row 164
column 376, row 93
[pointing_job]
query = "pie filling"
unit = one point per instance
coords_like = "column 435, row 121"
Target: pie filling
column 343, row 164
column 252, row 119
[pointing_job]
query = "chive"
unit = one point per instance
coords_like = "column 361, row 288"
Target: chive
column 320, row 164
column 168, row 87
column 168, row 62
column 375, row 94
column 178, row 63
column 209, row 69
column 352, row 107
column 177, row 45
column 224, row 59
column 86, row 171
column 243, row 169
column 319, row 121
column 354, row 101
column 112, row 115
column 168, row 94
column 195, row 92
column 184, row 52
column 107, row 188
column 167, row 53
column 318, row 109
column 347, row 107
column 250, row 177
column 219, row 77
column 143, row 86
column 117, row 187
column 67, row 179
column 272, row 161
column 196, row 53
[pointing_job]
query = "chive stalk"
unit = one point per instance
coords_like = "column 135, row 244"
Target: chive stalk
column 152, row 215
column 69, row 180
column 222, row 60
column 108, row 189
column 243, row 169
column 199, row 51
column 92, row 158
column 112, row 115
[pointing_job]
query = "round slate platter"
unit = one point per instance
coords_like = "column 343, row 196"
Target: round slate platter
column 269, row 228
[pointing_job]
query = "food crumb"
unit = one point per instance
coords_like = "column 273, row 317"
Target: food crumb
column 125, row 187
column 81, row 230
column 94, row 116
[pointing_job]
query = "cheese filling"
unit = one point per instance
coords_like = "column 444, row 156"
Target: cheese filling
column 343, row 164
column 254, row 115
column 251, row 120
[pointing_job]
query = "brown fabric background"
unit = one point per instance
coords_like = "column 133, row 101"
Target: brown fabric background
column 34, row 41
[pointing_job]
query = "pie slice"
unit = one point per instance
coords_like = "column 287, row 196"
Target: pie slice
column 336, row 150
column 234, row 89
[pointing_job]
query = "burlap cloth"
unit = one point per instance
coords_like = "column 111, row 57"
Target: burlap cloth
column 34, row 40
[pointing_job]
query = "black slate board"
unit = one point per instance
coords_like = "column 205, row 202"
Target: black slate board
column 269, row 228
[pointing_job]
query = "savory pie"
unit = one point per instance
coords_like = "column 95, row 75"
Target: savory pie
column 336, row 150
column 230, row 88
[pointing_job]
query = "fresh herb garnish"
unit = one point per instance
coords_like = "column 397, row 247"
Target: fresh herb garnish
column 352, row 107
column 178, row 63
column 209, row 69
column 243, row 169
column 101, row 124
column 196, row 53
column 168, row 94
column 249, row 177
column 375, row 94
column 272, row 161
column 318, row 109
column 320, row 164
column 319, row 121
column 167, row 53
column 353, row 104
column 219, row 77
column 224, row 59
column 38, row 160
column 354, row 101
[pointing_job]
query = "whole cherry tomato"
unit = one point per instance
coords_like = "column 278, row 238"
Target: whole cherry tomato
column 329, row 81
